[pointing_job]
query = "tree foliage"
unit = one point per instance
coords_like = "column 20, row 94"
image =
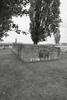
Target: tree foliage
column 9, row 8
column 44, row 16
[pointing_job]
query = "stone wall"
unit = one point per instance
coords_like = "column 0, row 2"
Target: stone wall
column 29, row 53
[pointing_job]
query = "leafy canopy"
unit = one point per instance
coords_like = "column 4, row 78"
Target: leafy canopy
column 9, row 8
column 44, row 16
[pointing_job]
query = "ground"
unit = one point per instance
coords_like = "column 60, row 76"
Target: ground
column 32, row 81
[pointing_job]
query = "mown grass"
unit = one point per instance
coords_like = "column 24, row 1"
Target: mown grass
column 32, row 81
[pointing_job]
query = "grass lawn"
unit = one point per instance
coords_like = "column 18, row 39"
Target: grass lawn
column 32, row 81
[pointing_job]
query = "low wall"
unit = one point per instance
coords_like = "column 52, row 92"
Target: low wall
column 29, row 53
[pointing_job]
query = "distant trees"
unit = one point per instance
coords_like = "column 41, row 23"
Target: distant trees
column 44, row 16
column 57, row 36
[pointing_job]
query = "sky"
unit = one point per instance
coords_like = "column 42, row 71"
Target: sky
column 24, row 25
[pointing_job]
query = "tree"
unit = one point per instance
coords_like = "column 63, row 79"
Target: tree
column 44, row 16
column 57, row 36
column 9, row 8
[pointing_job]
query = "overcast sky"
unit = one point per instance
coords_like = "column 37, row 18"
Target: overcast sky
column 24, row 25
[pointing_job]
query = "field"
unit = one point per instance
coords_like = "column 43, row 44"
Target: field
column 32, row 81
